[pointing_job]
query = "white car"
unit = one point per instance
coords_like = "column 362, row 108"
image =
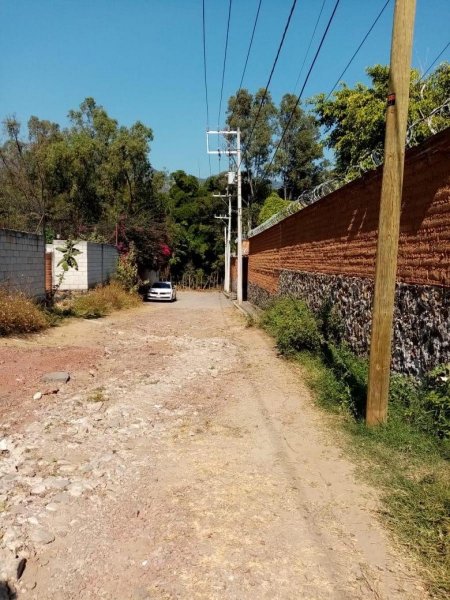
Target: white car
column 162, row 290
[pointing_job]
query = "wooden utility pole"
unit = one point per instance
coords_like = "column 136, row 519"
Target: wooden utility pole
column 390, row 204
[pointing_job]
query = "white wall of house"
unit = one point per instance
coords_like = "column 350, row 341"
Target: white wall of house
column 22, row 265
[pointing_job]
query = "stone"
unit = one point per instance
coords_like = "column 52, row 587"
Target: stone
column 51, row 507
column 38, row 489
column 56, row 376
column 57, row 483
column 42, row 536
column 76, row 489
column 61, row 498
column 37, row 396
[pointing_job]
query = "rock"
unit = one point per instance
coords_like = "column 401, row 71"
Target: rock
column 8, row 566
column 11, row 540
column 37, row 396
column 52, row 507
column 61, row 498
column 56, row 376
column 42, row 536
column 50, row 391
column 59, row 483
column 76, row 489
column 38, row 489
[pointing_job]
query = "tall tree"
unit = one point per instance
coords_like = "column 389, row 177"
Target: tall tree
column 256, row 118
column 296, row 161
column 196, row 237
column 354, row 118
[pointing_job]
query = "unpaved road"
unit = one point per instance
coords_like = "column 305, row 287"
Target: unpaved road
column 183, row 460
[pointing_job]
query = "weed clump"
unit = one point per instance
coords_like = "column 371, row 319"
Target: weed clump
column 293, row 325
column 19, row 314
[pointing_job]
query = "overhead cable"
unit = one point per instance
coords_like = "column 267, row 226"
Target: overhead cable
column 304, row 84
column 286, row 27
column 435, row 60
column 310, row 43
column 358, row 48
column 224, row 63
column 205, row 80
column 204, row 67
column 250, row 45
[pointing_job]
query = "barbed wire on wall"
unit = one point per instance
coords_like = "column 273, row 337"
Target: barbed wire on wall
column 369, row 162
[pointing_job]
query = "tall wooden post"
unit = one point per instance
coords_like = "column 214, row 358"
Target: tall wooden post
column 389, row 219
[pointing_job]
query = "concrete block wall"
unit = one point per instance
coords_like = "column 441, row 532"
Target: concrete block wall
column 96, row 264
column 22, row 262
column 102, row 263
column 73, row 279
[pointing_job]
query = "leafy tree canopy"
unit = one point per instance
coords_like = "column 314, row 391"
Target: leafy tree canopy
column 297, row 159
column 273, row 204
column 354, row 118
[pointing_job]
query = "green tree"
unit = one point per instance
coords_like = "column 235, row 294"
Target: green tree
column 296, row 161
column 255, row 115
column 196, row 238
column 354, row 118
column 92, row 180
column 273, row 204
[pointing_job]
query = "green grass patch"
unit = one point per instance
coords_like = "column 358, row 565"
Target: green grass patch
column 406, row 458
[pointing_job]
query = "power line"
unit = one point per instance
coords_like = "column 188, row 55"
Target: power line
column 358, row 48
column 310, row 43
column 204, row 67
column 250, row 45
column 435, row 60
column 304, row 84
column 286, row 27
column 224, row 63
column 205, row 79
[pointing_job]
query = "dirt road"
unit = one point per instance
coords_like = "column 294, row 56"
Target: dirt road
column 183, row 460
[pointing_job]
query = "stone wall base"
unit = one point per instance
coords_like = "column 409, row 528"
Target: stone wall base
column 421, row 320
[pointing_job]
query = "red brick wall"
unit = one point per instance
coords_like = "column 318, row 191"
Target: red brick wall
column 337, row 235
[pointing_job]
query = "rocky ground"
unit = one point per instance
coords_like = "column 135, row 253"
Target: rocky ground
column 183, row 460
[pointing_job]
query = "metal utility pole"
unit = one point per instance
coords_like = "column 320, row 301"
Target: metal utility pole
column 235, row 152
column 227, row 248
column 389, row 218
column 227, row 280
column 239, row 219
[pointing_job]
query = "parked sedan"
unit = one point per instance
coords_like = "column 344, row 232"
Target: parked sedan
column 162, row 290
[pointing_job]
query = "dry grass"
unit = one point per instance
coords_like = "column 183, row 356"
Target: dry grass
column 103, row 300
column 18, row 314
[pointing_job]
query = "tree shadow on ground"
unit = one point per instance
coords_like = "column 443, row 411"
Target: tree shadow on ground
column 6, row 592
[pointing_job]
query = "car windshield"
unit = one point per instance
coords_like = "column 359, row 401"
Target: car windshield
column 162, row 284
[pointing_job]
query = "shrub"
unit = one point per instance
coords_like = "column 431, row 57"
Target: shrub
column 351, row 371
column 293, row 325
column 423, row 404
column 127, row 272
column 330, row 322
column 273, row 204
column 19, row 314
column 103, row 300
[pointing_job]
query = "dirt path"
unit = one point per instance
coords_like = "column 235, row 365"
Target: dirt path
column 182, row 461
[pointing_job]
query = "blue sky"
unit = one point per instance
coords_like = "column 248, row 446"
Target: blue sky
column 143, row 59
